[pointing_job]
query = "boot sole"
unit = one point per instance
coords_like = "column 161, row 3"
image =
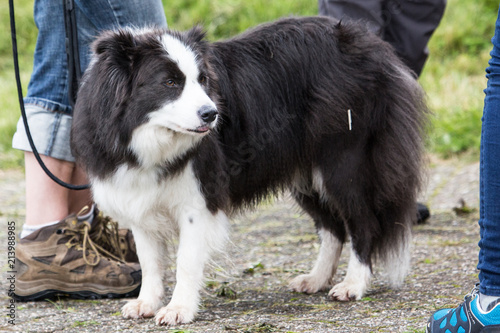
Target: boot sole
column 84, row 294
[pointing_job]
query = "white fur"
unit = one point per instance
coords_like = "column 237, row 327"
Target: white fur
column 302, row 184
column 325, row 267
column 197, row 240
column 181, row 54
column 154, row 144
column 355, row 283
column 153, row 209
column 396, row 262
column 318, row 184
column 181, row 115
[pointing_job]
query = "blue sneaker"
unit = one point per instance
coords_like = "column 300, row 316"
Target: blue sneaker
column 468, row 317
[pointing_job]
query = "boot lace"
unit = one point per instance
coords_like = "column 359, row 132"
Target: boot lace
column 105, row 233
column 81, row 240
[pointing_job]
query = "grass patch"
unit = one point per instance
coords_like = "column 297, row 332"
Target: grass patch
column 429, row 261
column 454, row 76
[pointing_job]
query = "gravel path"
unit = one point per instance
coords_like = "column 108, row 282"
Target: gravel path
column 272, row 245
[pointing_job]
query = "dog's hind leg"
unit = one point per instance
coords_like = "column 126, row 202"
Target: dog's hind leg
column 329, row 253
column 364, row 232
column 370, row 242
column 325, row 267
column 346, row 201
column 356, row 281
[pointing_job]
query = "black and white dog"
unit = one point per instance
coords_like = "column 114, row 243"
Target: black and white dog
column 177, row 133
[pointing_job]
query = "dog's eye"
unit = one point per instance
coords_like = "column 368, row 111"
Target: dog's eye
column 203, row 79
column 170, row 83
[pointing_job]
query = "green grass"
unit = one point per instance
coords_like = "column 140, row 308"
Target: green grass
column 225, row 18
column 9, row 105
column 453, row 77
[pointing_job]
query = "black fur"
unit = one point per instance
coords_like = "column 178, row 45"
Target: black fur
column 283, row 91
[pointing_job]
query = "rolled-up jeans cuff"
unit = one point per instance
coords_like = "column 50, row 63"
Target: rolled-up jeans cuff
column 50, row 132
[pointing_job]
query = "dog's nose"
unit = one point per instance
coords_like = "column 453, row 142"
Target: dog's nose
column 208, row 113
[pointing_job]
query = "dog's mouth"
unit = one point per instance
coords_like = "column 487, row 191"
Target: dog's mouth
column 200, row 129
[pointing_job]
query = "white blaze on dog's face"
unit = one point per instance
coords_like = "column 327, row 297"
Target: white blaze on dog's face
column 186, row 114
column 193, row 112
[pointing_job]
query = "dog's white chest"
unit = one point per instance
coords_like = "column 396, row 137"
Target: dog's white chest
column 137, row 196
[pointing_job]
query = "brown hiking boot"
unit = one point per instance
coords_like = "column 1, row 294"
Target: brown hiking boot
column 118, row 242
column 63, row 260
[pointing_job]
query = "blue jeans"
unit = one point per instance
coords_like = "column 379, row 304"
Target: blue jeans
column 489, row 222
column 47, row 105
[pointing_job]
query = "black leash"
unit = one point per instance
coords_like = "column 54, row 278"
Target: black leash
column 75, row 73
column 71, row 43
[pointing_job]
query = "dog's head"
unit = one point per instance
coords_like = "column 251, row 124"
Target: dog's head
column 150, row 90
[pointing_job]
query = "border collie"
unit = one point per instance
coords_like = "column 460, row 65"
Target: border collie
column 177, row 133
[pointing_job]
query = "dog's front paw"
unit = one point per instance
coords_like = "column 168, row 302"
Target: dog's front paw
column 174, row 315
column 139, row 309
column 307, row 283
column 346, row 291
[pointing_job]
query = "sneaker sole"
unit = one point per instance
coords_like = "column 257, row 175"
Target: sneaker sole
column 486, row 329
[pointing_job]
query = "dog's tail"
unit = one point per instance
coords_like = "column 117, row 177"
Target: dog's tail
column 389, row 116
column 395, row 118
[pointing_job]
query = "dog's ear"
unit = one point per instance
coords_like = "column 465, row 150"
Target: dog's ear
column 106, row 83
column 116, row 47
column 196, row 34
column 114, row 41
column 195, row 38
column 114, row 52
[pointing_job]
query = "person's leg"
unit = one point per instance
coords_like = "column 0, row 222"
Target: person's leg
column 408, row 26
column 49, row 119
column 489, row 221
column 94, row 16
column 482, row 308
column 48, row 109
column 47, row 201
column 78, row 199
column 370, row 11
column 57, row 232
